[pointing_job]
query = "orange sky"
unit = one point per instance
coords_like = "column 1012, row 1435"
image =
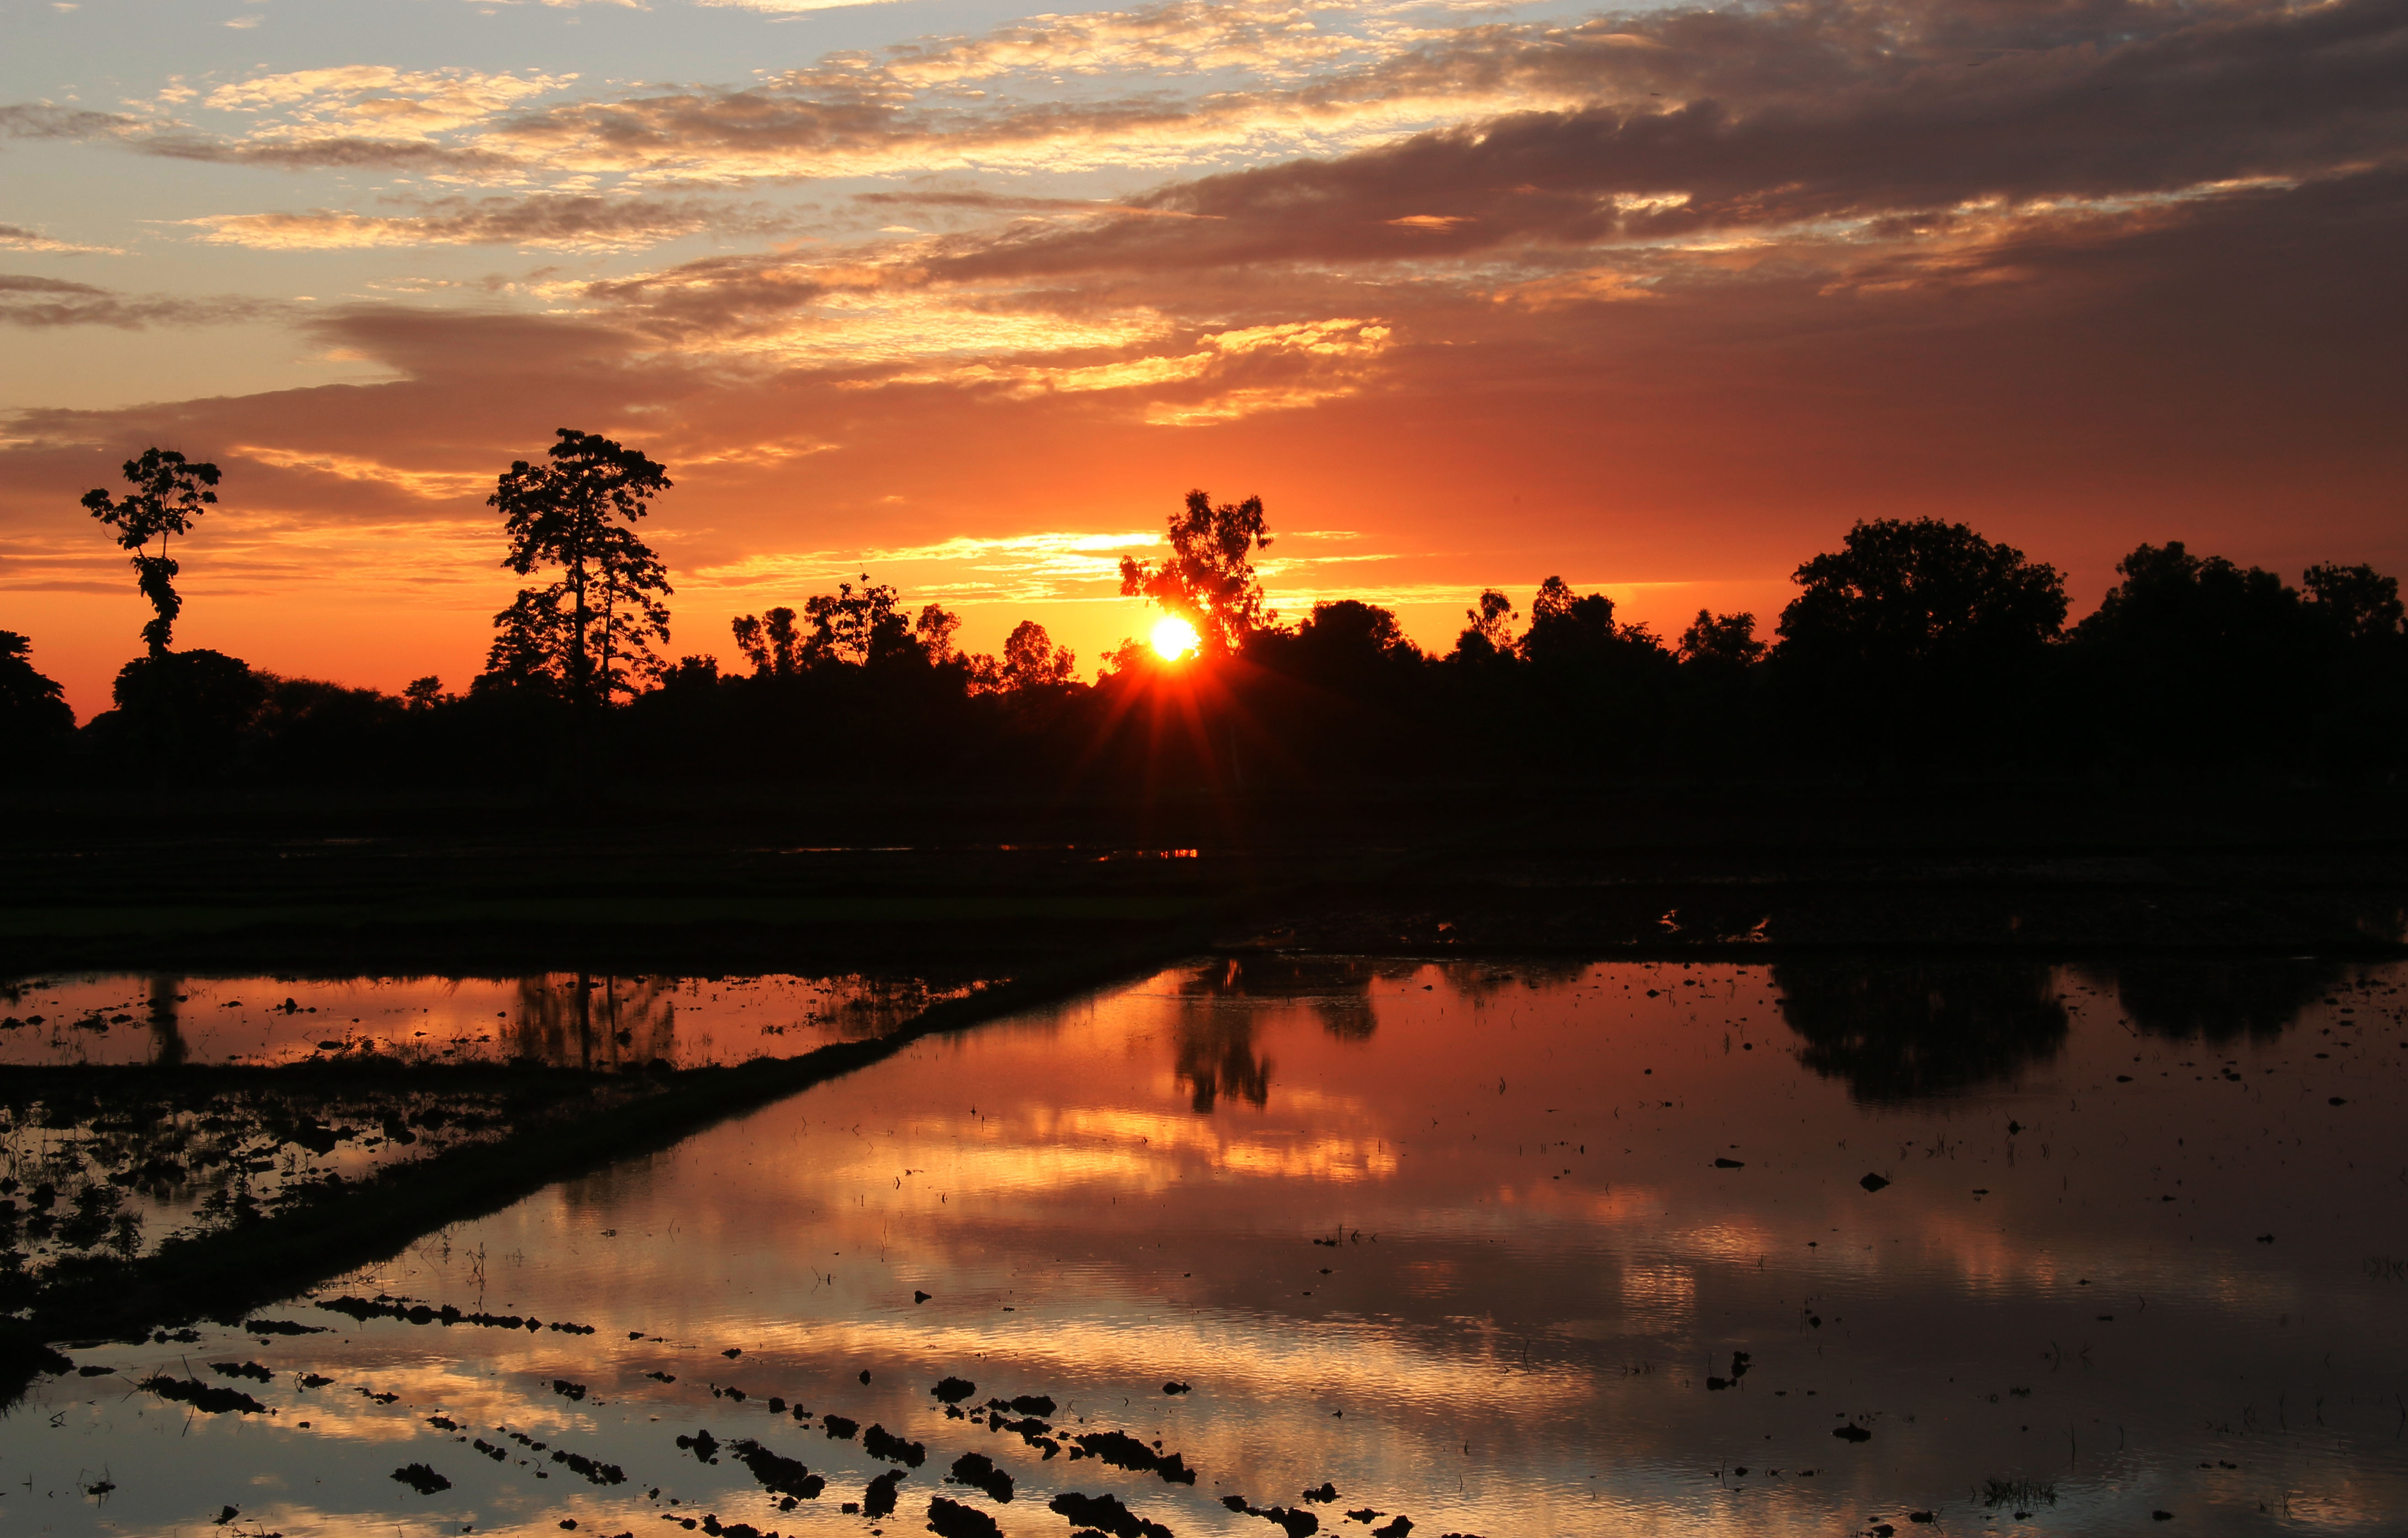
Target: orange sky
column 1657, row 300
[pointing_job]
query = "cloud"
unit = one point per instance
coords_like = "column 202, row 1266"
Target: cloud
column 1645, row 296
column 16, row 237
column 45, row 303
column 428, row 484
column 379, row 101
column 1889, row 104
column 1185, row 37
column 2251, row 94
column 787, row 7
column 1237, row 373
column 967, row 568
column 44, row 120
column 543, row 221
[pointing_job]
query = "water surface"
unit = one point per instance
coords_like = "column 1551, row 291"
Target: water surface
column 1502, row 1248
column 559, row 1019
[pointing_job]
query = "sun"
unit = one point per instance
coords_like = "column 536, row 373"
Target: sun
column 1173, row 637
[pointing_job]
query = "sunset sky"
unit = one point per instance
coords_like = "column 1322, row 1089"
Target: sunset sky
column 1658, row 299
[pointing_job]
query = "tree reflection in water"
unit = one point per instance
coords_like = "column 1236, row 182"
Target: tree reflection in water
column 1897, row 1029
column 568, row 1020
column 1215, row 1052
column 166, row 1032
column 1484, row 983
column 2218, row 1000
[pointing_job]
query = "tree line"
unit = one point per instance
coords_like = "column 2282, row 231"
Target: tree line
column 1917, row 645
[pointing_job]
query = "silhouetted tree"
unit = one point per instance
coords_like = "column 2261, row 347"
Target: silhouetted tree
column 771, row 642
column 935, row 628
column 169, row 492
column 423, row 694
column 532, row 640
column 2196, row 659
column 857, row 627
column 1724, row 642
column 1346, row 648
column 693, row 674
column 35, row 716
column 1342, row 692
column 306, row 729
column 575, row 514
column 1208, row 579
column 2358, row 602
column 1903, row 594
column 1489, row 636
column 1916, row 635
column 1567, row 627
column 179, row 713
column 1031, row 660
column 2364, row 725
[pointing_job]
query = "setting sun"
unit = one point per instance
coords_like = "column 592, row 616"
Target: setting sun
column 1174, row 639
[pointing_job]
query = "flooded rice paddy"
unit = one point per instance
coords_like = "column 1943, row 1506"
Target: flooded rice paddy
column 85, row 1167
column 1388, row 1247
column 560, row 1019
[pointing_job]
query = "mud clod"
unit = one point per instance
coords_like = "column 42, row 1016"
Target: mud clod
column 1106, row 1514
column 979, row 1472
column 948, row 1519
column 879, row 1499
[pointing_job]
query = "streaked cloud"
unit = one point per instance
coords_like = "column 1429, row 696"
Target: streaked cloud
column 431, row 485
column 1660, row 289
column 51, row 302
column 16, row 237
column 542, row 222
column 375, row 99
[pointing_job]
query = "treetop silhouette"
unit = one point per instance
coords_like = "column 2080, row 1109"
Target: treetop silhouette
column 1209, row 578
column 1899, row 593
column 33, row 710
column 605, row 609
column 169, row 492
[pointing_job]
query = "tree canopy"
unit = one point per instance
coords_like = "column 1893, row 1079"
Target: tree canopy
column 169, row 492
column 1915, row 644
column 588, row 633
column 33, row 712
column 1209, row 578
column 1899, row 593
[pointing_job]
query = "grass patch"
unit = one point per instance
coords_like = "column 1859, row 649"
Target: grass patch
column 2022, row 1494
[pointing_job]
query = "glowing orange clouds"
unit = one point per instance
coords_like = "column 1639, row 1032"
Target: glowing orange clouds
column 1658, row 302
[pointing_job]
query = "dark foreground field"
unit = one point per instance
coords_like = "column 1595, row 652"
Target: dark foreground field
column 1038, row 900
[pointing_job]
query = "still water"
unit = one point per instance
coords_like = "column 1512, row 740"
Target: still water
column 558, row 1019
column 1495, row 1248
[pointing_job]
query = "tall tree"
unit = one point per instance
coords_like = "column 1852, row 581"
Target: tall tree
column 1724, row 642
column 594, row 627
column 1208, row 579
column 769, row 642
column 169, row 492
column 1032, row 661
column 1489, row 636
column 935, row 628
column 1566, row 626
column 857, row 626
